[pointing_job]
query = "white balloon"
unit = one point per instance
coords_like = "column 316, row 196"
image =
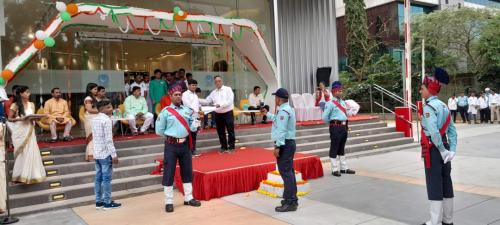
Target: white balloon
column 40, row 35
column 61, row 6
column 180, row 13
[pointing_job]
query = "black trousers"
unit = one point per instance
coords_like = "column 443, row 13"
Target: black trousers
column 454, row 115
column 193, row 135
column 463, row 113
column 285, row 167
column 438, row 177
column 225, row 121
column 338, row 138
column 171, row 154
column 483, row 115
column 252, row 115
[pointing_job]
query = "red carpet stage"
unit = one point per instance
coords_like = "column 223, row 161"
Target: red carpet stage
column 216, row 175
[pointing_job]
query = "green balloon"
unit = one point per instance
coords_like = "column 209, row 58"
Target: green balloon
column 65, row 16
column 177, row 9
column 2, row 81
column 49, row 42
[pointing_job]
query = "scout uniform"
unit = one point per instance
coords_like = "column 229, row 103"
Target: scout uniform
column 283, row 136
column 176, row 123
column 335, row 114
column 439, row 141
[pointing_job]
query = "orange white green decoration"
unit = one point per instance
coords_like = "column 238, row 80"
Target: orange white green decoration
column 241, row 33
column 273, row 186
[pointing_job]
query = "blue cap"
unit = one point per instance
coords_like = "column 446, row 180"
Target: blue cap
column 282, row 93
column 336, row 84
column 442, row 76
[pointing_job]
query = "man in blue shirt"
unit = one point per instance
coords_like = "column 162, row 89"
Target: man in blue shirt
column 439, row 143
column 463, row 107
column 335, row 114
column 283, row 136
column 176, row 123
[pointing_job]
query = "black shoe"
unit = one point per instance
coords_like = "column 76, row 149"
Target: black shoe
column 169, row 208
column 112, row 205
column 348, row 171
column 99, row 205
column 231, row 150
column 193, row 202
column 222, row 151
column 195, row 153
column 283, row 202
column 264, row 122
column 336, row 173
column 286, row 208
column 53, row 140
column 447, row 223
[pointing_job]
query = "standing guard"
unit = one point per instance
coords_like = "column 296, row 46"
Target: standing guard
column 335, row 114
column 439, row 142
column 176, row 123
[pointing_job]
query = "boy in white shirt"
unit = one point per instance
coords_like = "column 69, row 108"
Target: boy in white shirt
column 473, row 107
column 483, row 108
column 452, row 105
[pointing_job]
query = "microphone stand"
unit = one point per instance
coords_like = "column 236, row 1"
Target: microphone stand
column 8, row 219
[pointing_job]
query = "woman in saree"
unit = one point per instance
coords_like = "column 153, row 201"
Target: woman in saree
column 28, row 165
column 90, row 103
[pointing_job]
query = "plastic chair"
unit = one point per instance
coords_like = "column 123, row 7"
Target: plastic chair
column 299, row 107
column 314, row 112
column 44, row 122
column 138, row 123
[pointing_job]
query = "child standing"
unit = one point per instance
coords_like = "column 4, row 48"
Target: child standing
column 104, row 155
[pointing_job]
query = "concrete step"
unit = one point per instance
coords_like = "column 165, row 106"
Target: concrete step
column 204, row 135
column 324, row 152
column 85, row 200
column 76, row 191
column 58, row 181
column 256, row 140
column 376, row 151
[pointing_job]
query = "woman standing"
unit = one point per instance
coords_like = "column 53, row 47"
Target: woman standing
column 28, row 165
column 322, row 94
column 90, row 103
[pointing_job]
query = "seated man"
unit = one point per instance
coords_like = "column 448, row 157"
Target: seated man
column 256, row 102
column 136, row 107
column 58, row 113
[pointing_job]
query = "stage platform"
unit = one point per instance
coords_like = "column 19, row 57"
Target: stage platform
column 217, row 175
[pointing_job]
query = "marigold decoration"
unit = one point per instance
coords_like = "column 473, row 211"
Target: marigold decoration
column 72, row 9
column 39, row 44
column 273, row 186
column 7, row 74
column 179, row 14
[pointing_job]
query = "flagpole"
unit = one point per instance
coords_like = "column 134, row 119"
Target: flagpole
column 407, row 61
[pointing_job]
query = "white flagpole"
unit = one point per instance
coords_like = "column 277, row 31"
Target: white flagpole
column 407, row 62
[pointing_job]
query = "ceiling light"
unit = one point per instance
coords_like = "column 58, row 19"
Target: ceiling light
column 31, row 36
column 126, row 53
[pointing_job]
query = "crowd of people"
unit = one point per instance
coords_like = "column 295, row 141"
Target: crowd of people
column 487, row 105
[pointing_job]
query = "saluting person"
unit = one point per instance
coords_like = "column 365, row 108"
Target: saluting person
column 176, row 123
column 283, row 136
column 335, row 114
column 439, row 142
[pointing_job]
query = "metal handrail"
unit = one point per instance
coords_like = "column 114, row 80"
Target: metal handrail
column 407, row 121
column 394, row 96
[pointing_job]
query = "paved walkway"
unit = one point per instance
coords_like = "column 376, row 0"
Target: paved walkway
column 388, row 189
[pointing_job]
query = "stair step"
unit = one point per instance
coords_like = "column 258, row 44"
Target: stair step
column 85, row 200
column 75, row 191
column 376, row 151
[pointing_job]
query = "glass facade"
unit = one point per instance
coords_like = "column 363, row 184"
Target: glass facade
column 488, row 3
column 75, row 60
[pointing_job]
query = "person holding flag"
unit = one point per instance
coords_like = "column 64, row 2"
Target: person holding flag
column 439, row 143
column 335, row 114
column 176, row 123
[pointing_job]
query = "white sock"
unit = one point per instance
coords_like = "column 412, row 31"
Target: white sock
column 447, row 210
column 334, row 163
column 188, row 191
column 169, row 194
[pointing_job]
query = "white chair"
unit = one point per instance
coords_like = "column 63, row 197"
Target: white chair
column 314, row 112
column 298, row 105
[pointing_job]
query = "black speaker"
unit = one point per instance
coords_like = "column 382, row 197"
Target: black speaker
column 323, row 75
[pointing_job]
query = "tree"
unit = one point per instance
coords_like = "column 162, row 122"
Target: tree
column 358, row 49
column 452, row 37
column 489, row 45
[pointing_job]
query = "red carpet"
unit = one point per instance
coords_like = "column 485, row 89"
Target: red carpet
column 81, row 141
column 217, row 175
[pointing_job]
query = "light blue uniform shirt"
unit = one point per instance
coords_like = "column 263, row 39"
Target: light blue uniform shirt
column 433, row 119
column 283, row 124
column 168, row 125
column 462, row 101
column 332, row 112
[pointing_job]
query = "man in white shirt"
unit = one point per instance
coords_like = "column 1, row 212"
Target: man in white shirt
column 494, row 106
column 452, row 105
column 223, row 100
column 473, row 107
column 256, row 102
column 191, row 100
column 483, row 108
column 139, row 82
